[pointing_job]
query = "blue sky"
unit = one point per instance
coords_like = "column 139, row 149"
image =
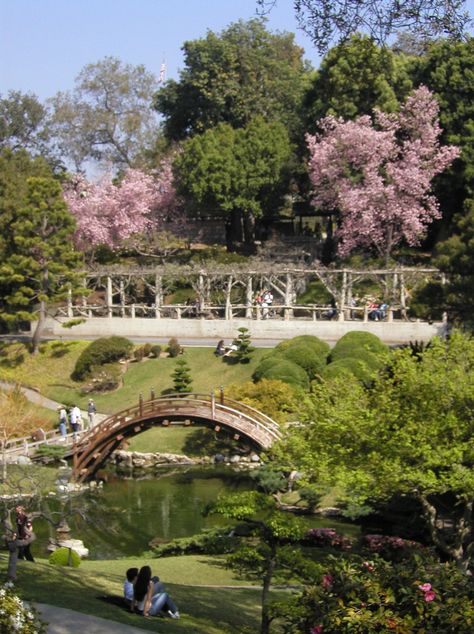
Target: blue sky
column 45, row 43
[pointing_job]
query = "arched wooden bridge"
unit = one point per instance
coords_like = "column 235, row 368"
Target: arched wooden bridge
column 95, row 447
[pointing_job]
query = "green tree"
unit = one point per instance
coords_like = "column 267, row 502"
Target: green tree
column 448, row 71
column 231, row 77
column 268, row 551
column 410, row 434
column 108, row 117
column 23, row 123
column 244, row 346
column 182, row 381
column 39, row 267
column 235, row 172
column 354, row 78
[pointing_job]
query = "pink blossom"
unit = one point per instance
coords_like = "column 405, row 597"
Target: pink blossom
column 430, row 595
column 107, row 212
column 378, row 174
column 317, row 629
column 368, row 565
column 327, row 581
column 425, row 587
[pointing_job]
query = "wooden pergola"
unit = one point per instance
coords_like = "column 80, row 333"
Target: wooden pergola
column 229, row 291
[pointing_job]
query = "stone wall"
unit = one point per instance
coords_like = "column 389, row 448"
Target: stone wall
column 394, row 332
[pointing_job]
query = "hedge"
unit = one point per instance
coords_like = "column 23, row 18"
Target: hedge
column 99, row 352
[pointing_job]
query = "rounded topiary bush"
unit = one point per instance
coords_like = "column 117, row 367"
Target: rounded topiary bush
column 307, row 358
column 357, row 339
column 155, row 351
column 99, row 352
column 288, row 372
column 65, row 557
column 174, row 349
column 265, row 364
column 348, row 365
column 310, row 341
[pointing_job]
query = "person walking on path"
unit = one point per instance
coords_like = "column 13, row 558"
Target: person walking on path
column 91, row 410
column 62, row 420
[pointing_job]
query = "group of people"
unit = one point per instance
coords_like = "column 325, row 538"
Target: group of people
column 264, row 299
column 224, row 351
column 73, row 418
column 146, row 594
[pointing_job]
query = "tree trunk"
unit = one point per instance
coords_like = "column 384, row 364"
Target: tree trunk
column 267, row 580
column 234, row 230
column 35, row 340
column 249, row 233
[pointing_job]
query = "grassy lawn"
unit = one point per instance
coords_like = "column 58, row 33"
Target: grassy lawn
column 49, row 373
column 204, row 610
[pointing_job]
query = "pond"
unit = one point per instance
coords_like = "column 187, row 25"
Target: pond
column 124, row 516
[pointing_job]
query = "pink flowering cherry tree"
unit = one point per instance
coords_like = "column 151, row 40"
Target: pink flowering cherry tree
column 109, row 213
column 377, row 173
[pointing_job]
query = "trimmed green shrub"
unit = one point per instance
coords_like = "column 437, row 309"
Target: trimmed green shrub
column 307, row 358
column 216, row 541
column 155, row 351
column 65, row 557
column 346, row 366
column 244, row 347
column 138, row 354
column 99, row 352
column 182, row 381
column 357, row 339
column 268, row 361
column 174, row 349
column 288, row 372
column 315, row 343
column 147, row 349
column 53, row 453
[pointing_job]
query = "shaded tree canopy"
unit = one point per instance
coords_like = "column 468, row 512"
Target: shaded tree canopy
column 328, row 22
column 108, row 117
column 231, row 77
column 23, row 123
column 233, row 171
column 354, row 78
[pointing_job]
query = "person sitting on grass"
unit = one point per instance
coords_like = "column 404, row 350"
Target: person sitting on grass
column 149, row 597
column 130, row 577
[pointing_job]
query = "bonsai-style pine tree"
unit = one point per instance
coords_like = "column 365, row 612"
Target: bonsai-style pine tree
column 182, row 377
column 244, row 347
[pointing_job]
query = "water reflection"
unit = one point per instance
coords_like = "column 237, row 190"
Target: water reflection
column 122, row 518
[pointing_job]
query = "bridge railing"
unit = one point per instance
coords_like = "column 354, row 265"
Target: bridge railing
column 179, row 402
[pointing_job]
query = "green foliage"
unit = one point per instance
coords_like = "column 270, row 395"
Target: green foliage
column 409, row 434
column 64, row 557
column 16, row 617
column 315, row 293
column 155, row 351
column 284, row 370
column 276, row 399
column 182, row 381
column 307, row 358
column 216, row 541
column 174, row 349
column 315, row 343
column 268, row 362
column 354, row 78
column 354, row 339
column 269, row 480
column 244, row 346
column 37, row 257
column 100, row 352
column 350, row 594
column 231, row 77
column 52, row 452
column 346, row 366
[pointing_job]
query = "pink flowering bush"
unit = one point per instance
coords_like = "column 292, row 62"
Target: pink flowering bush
column 108, row 212
column 354, row 596
column 327, row 537
column 377, row 174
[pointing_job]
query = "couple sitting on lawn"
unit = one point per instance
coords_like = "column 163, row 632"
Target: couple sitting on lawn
column 146, row 594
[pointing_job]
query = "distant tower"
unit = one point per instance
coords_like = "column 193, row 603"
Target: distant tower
column 162, row 77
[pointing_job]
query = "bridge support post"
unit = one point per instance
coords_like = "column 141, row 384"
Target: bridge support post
column 213, row 405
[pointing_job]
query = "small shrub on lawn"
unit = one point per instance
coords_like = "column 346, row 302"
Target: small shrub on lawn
column 147, row 349
column 174, row 349
column 288, row 372
column 357, row 339
column 155, row 351
column 99, row 352
column 65, row 557
column 139, row 354
column 215, row 541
